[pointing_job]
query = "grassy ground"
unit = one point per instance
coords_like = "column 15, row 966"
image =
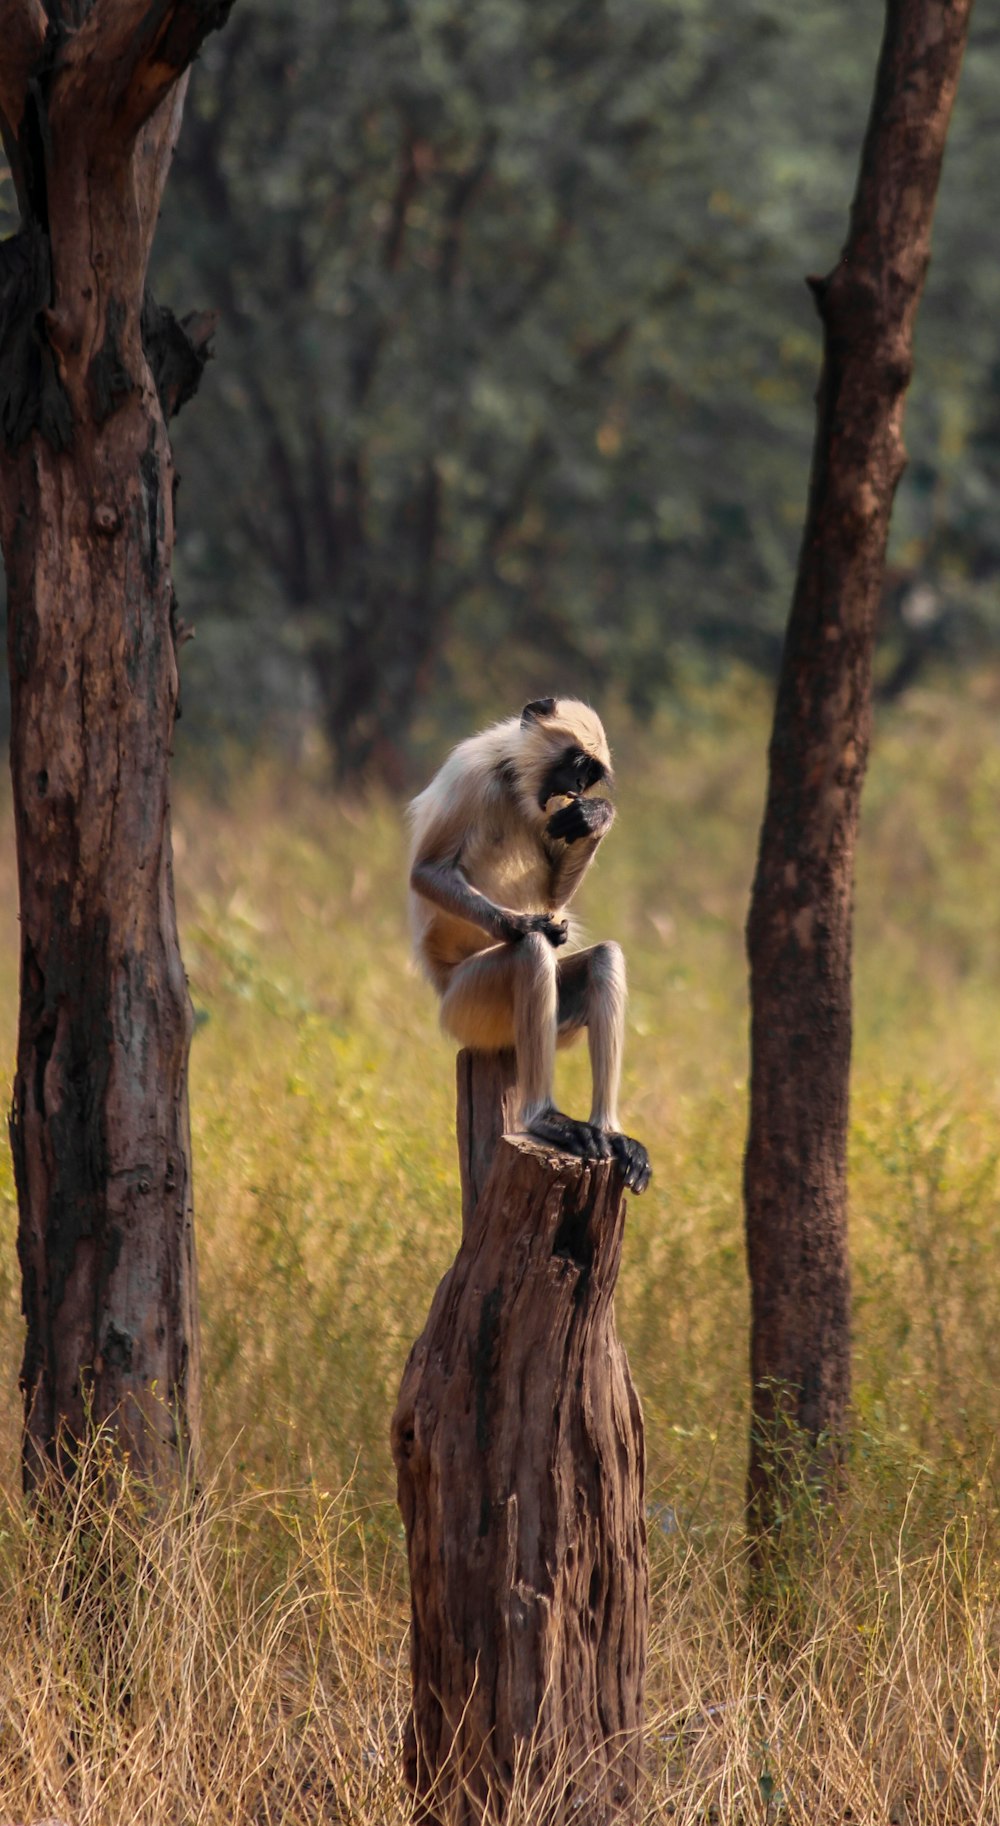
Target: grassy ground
column 257, row 1672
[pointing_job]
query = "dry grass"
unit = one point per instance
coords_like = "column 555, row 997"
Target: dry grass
column 246, row 1660
column 232, row 1660
column 242, row 1660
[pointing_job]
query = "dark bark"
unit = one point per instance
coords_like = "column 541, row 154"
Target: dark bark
column 485, row 1111
column 799, row 929
column 369, row 688
column 371, row 667
column 519, row 1449
column 99, row 1122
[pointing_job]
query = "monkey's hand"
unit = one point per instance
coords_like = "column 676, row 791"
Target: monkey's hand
column 518, row 925
column 581, row 818
column 633, row 1160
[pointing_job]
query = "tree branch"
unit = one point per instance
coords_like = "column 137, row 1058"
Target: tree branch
column 407, row 185
column 322, row 493
column 158, row 142
column 295, row 569
column 462, row 194
column 426, row 529
column 128, row 54
column 595, row 355
column 177, row 351
column 364, row 358
column 23, row 28
column 504, row 516
column 255, row 529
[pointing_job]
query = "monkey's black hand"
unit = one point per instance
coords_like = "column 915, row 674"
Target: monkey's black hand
column 555, row 930
column 580, row 818
column 581, row 1139
column 633, row 1160
column 518, row 925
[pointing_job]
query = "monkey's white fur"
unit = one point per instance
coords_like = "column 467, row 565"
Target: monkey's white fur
column 479, row 825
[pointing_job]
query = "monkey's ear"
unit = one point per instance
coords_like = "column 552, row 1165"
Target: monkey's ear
column 539, row 706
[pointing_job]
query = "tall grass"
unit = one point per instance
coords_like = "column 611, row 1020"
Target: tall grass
column 241, row 1658
column 255, row 1666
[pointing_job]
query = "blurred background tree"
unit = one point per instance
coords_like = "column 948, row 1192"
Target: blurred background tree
column 515, row 361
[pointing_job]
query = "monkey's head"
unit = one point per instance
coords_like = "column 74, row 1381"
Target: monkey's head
column 563, row 751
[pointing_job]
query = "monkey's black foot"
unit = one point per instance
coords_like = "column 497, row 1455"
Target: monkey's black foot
column 633, row 1160
column 580, row 1139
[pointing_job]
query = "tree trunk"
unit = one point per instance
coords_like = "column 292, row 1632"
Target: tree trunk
column 369, row 684
column 519, row 1448
column 799, row 929
column 99, row 1122
column 486, row 1083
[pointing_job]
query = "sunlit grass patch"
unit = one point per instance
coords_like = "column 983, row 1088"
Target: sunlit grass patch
column 322, row 1099
column 267, row 1666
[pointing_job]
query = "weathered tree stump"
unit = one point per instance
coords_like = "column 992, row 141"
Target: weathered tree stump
column 487, row 1084
column 518, row 1443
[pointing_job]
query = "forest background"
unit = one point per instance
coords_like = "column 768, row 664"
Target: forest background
column 515, row 359
column 513, row 392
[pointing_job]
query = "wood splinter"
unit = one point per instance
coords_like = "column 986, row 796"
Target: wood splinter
column 518, row 1443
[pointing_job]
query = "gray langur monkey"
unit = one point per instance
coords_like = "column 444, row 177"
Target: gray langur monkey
column 502, row 838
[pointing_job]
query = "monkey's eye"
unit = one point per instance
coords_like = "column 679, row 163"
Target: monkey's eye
column 587, row 771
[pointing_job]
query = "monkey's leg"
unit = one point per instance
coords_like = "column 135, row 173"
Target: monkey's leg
column 536, row 1002
column 506, row 996
column 593, row 994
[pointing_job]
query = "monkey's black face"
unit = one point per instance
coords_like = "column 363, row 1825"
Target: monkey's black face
column 574, row 772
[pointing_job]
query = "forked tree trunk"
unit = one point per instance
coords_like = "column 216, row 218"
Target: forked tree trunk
column 519, row 1449
column 99, row 1122
column 799, row 930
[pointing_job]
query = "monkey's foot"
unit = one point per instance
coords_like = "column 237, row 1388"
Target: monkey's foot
column 633, row 1160
column 581, row 1139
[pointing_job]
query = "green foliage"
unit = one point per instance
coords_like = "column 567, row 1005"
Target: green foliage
column 515, row 367
column 515, row 362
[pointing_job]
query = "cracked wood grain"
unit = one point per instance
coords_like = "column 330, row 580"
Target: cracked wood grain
column 99, row 1121
column 518, row 1444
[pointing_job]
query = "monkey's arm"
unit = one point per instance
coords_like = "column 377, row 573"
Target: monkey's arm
column 446, row 886
column 573, row 834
